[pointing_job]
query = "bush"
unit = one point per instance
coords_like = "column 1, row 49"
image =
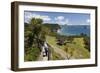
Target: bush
column 32, row 54
column 87, row 43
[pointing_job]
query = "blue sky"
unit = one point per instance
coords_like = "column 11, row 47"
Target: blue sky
column 59, row 17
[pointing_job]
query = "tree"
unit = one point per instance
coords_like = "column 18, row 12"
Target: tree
column 33, row 35
column 35, row 32
column 87, row 43
column 70, row 51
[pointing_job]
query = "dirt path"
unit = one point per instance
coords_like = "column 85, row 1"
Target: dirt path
column 41, row 58
column 59, row 51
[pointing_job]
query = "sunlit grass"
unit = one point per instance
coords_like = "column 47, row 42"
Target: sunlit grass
column 53, row 41
column 74, row 48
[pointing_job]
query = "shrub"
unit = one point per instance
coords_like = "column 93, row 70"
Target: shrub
column 32, row 54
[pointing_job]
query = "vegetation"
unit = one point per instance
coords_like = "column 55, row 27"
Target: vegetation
column 52, row 27
column 34, row 38
column 87, row 43
column 56, row 56
column 32, row 54
column 36, row 33
column 75, row 48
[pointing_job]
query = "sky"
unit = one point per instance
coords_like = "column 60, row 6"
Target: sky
column 58, row 17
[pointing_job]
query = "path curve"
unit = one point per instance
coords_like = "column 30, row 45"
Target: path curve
column 59, row 51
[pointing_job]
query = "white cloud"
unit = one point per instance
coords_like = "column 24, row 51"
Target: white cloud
column 59, row 18
column 62, row 22
column 29, row 15
column 44, row 17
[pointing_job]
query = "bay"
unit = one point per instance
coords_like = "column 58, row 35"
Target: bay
column 74, row 30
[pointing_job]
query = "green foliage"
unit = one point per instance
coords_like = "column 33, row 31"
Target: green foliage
column 34, row 35
column 32, row 54
column 33, row 32
column 55, row 56
column 35, row 21
column 76, row 49
column 52, row 26
column 69, row 50
column 87, row 43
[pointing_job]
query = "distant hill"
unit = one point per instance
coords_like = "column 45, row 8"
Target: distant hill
column 52, row 27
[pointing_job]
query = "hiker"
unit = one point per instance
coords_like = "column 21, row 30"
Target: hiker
column 43, row 51
column 46, row 48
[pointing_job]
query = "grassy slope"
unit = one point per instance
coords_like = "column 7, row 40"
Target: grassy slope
column 76, row 47
column 52, row 41
column 80, row 51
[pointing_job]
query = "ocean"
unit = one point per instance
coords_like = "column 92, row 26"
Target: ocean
column 70, row 30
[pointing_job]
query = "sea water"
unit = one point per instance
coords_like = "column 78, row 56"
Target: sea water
column 74, row 30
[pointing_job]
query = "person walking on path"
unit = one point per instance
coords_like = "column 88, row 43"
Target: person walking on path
column 46, row 48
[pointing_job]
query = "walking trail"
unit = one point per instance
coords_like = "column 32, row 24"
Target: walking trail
column 60, row 51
